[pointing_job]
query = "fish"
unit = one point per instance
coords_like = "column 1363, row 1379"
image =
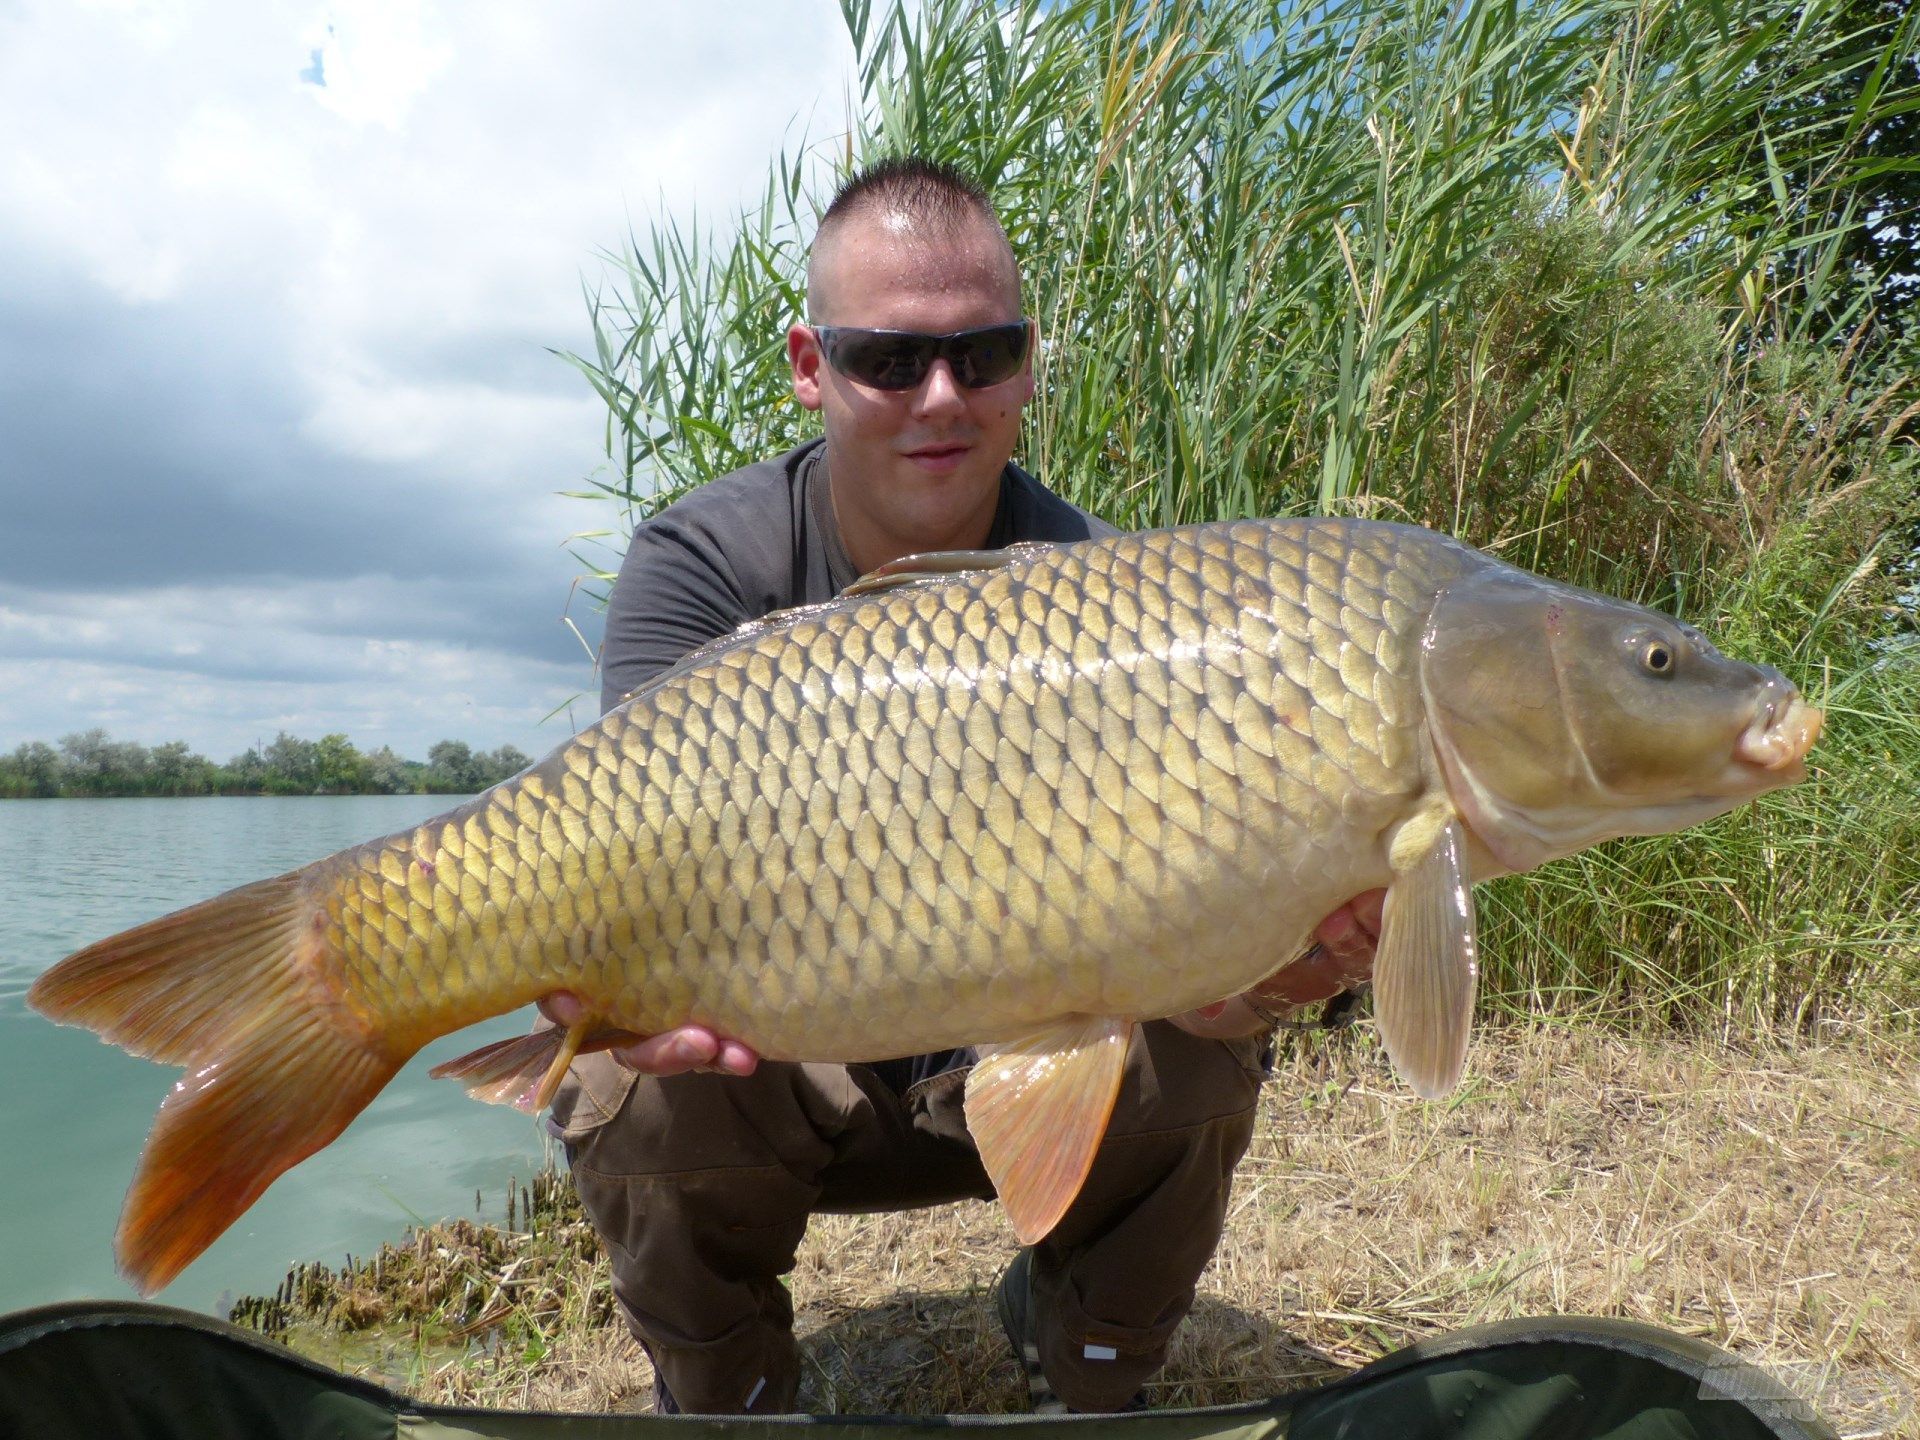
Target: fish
column 1022, row 800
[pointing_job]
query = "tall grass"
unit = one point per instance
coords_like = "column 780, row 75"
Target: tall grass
column 1559, row 277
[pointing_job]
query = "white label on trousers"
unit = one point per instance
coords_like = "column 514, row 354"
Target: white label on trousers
column 1101, row 1352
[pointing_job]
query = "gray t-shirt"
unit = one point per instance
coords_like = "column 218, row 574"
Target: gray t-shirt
column 761, row 539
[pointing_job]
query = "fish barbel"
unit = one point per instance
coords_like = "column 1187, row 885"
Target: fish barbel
column 1020, row 800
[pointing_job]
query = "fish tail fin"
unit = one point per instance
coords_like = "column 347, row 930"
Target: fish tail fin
column 229, row 1130
column 240, row 990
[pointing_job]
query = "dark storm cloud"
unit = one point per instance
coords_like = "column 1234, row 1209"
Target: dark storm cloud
column 151, row 445
column 280, row 433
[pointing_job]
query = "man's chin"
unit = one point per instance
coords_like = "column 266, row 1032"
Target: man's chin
column 942, row 512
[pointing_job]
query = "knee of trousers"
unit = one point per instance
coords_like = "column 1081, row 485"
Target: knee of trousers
column 1177, row 1081
column 699, row 1187
column 620, row 1123
column 723, row 1166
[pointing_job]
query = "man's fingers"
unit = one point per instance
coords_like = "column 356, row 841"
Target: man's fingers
column 562, row 1007
column 692, row 1047
column 672, row 1052
column 1340, row 959
column 1349, row 935
column 1367, row 909
column 1314, row 976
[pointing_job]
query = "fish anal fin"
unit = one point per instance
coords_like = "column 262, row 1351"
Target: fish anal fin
column 525, row 1070
column 1037, row 1107
column 557, row 1067
column 1427, row 962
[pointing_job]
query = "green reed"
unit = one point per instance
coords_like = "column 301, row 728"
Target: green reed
column 1559, row 277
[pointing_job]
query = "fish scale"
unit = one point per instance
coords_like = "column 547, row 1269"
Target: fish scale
column 934, row 808
column 1019, row 801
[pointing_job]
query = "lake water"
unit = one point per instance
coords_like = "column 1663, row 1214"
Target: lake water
column 74, row 1111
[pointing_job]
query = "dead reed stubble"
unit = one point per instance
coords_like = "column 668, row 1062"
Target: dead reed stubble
column 1763, row 1200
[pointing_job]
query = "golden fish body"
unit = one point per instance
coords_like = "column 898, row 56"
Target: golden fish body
column 1020, row 805
column 1123, row 778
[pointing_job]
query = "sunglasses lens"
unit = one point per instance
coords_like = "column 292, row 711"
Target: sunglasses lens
column 987, row 357
column 883, row 361
column 898, row 360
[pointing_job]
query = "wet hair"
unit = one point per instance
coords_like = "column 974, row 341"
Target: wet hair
column 942, row 199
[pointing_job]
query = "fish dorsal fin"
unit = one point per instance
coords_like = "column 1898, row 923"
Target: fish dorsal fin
column 941, row 565
column 1427, row 962
column 1037, row 1107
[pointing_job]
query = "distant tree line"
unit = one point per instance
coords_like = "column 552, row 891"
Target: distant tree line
column 90, row 763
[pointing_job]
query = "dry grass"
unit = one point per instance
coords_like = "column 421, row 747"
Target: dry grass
column 1762, row 1200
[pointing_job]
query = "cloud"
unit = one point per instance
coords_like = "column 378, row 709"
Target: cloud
column 281, row 434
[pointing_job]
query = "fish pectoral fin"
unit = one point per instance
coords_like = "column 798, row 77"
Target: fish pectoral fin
column 1427, row 963
column 525, row 1071
column 1037, row 1107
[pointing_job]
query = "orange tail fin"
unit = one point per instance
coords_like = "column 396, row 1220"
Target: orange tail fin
column 234, row 990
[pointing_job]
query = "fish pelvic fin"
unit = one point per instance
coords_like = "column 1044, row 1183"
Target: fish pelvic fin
column 1427, row 962
column 237, row 989
column 526, row 1070
column 1037, row 1107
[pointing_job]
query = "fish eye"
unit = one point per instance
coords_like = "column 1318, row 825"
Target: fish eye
column 1658, row 658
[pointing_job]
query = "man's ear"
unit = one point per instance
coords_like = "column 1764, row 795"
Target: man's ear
column 803, row 354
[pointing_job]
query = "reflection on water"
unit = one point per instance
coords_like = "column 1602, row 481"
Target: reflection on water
column 74, row 1112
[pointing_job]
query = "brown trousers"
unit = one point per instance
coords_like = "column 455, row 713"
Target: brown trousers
column 701, row 1185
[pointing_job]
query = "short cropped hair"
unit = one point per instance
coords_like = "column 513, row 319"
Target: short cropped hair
column 941, row 195
column 942, row 198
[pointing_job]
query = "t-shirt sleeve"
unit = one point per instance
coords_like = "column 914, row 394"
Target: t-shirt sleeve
column 675, row 592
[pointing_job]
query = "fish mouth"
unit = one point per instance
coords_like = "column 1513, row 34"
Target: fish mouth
column 1781, row 735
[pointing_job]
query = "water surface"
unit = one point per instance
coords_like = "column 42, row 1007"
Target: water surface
column 74, row 1111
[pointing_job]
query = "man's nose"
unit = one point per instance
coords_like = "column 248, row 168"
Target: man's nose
column 939, row 392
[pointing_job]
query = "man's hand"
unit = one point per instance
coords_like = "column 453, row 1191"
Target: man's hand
column 672, row 1052
column 1341, row 959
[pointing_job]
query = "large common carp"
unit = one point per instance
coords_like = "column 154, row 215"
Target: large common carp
column 1020, row 800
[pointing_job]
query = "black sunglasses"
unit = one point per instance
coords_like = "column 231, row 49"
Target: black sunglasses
column 900, row 359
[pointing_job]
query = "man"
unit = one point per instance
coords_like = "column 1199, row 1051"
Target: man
column 698, row 1165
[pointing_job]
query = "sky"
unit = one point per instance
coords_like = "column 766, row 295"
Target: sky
column 281, row 437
